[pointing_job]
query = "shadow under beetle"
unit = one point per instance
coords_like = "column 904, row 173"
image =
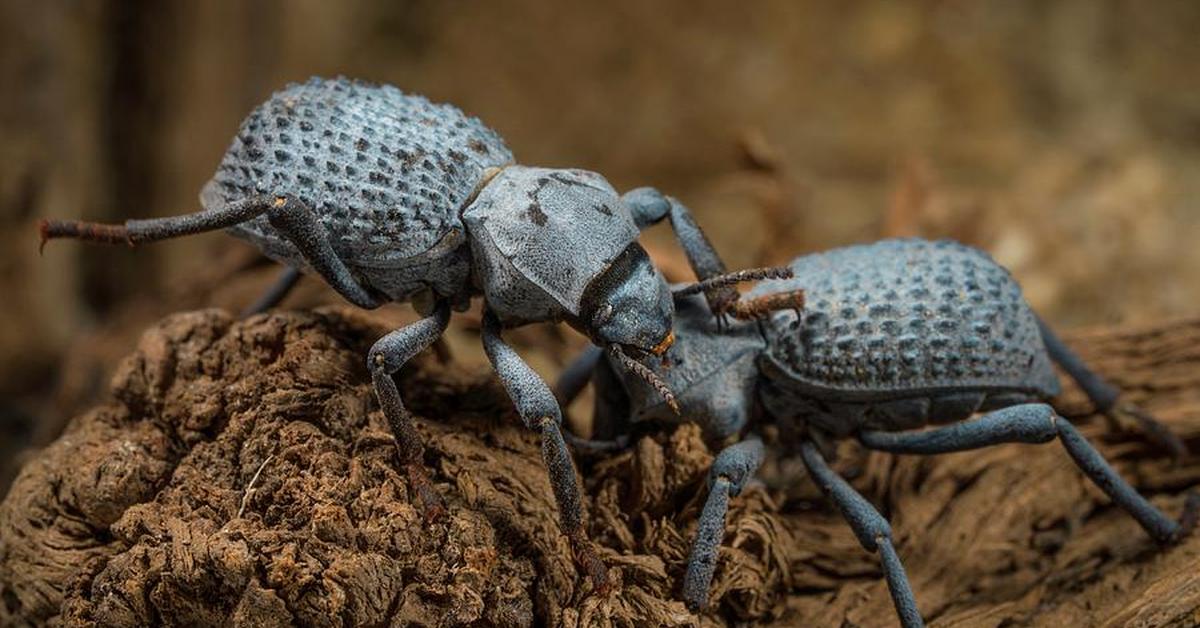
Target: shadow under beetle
column 896, row 336
column 389, row 197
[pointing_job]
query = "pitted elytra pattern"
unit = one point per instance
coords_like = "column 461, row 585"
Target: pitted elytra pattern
column 386, row 172
column 908, row 316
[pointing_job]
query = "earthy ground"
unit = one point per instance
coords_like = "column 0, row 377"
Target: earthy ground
column 1063, row 137
column 242, row 474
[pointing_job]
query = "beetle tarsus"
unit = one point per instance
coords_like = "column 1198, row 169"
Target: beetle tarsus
column 102, row 233
column 1189, row 517
column 433, row 506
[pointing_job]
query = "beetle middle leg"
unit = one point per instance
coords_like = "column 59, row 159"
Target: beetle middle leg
column 610, row 417
column 872, row 530
column 1038, row 423
column 539, row 410
column 1104, row 396
column 387, row 356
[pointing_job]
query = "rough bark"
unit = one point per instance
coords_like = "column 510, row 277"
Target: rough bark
column 243, row 475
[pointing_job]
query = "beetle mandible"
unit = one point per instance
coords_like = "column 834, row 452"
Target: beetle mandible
column 387, row 196
column 895, row 336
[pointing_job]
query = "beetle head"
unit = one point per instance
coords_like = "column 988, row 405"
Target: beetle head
column 629, row 305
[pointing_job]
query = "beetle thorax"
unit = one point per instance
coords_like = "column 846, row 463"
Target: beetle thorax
column 540, row 236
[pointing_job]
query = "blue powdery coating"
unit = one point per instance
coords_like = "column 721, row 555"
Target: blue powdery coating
column 907, row 316
column 387, row 172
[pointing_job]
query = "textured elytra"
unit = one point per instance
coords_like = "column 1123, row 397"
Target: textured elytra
column 387, row 172
column 905, row 316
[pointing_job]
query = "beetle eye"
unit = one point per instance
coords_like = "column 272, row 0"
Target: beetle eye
column 603, row 314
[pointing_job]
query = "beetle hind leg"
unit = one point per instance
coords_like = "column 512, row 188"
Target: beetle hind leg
column 294, row 220
column 275, row 293
column 1038, row 423
column 1105, row 397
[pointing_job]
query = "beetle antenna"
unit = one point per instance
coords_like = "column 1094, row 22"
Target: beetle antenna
column 644, row 372
column 735, row 277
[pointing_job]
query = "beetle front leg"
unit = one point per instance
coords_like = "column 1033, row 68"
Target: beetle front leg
column 540, row 412
column 1104, row 396
column 730, row 471
column 387, row 356
column 649, row 206
column 872, row 530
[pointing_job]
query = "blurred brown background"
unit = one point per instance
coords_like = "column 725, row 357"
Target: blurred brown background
column 1063, row 137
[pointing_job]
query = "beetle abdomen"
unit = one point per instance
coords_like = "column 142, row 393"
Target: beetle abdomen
column 905, row 318
column 387, row 172
column 896, row 412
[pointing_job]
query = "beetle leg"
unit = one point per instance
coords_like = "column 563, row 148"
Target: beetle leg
column 872, row 530
column 540, row 412
column 275, row 294
column 134, row 232
column 760, row 307
column 387, row 356
column 1105, row 396
column 1038, row 423
column 649, row 206
column 294, row 220
column 299, row 224
column 730, row 471
column 610, row 416
column 575, row 376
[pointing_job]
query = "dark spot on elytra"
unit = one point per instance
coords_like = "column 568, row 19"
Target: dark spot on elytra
column 457, row 156
column 361, row 144
column 410, row 159
column 536, row 215
column 478, row 147
column 566, row 180
column 603, row 209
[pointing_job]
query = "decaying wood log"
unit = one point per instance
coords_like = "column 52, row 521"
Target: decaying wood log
column 242, row 475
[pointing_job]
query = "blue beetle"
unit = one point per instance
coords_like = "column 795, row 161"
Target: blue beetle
column 387, row 196
column 897, row 344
